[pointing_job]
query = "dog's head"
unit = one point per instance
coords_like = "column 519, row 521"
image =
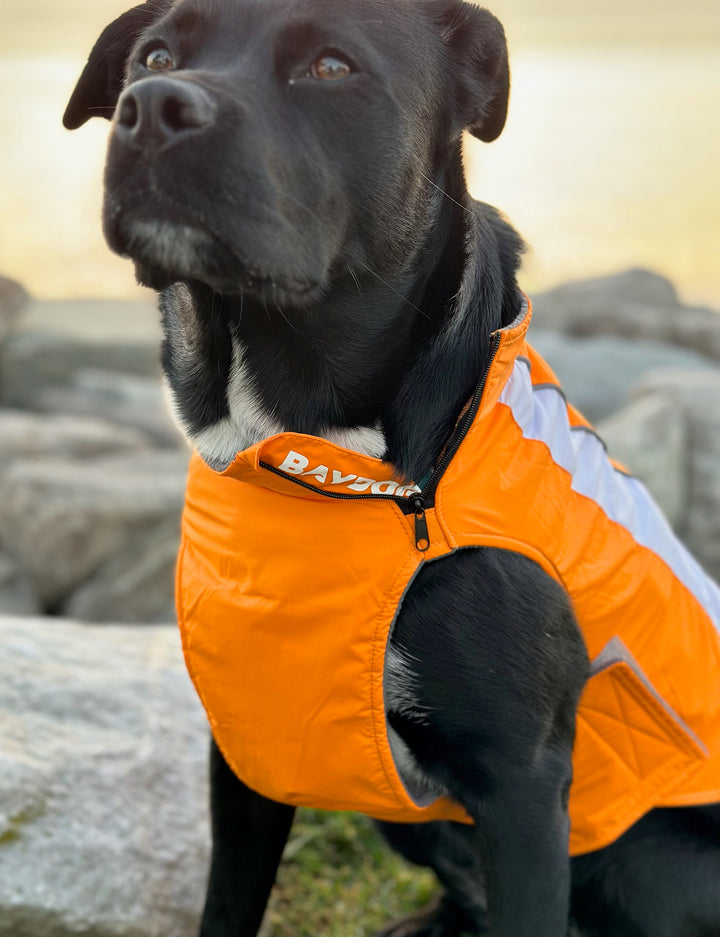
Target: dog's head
column 262, row 146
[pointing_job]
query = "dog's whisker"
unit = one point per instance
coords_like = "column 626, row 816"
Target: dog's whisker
column 292, row 325
column 443, row 192
column 392, row 289
column 355, row 279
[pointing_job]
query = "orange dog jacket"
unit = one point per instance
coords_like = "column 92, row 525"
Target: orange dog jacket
column 295, row 559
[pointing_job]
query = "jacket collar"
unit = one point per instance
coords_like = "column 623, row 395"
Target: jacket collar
column 309, row 466
column 509, row 342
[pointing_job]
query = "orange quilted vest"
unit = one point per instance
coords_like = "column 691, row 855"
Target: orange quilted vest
column 294, row 561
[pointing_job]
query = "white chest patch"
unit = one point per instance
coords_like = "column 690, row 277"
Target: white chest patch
column 368, row 440
column 249, row 422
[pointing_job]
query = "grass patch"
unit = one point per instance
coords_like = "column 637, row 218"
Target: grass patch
column 339, row 878
column 14, row 823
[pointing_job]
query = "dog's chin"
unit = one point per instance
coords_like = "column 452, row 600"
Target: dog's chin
column 268, row 292
column 165, row 252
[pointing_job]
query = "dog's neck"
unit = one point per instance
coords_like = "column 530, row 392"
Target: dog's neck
column 378, row 365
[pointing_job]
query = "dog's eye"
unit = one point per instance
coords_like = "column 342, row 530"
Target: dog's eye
column 329, row 68
column 159, row 59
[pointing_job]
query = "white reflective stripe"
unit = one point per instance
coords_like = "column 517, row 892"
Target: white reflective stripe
column 541, row 413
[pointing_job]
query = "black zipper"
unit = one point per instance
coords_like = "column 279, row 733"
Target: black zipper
column 428, row 492
column 418, row 502
column 422, row 536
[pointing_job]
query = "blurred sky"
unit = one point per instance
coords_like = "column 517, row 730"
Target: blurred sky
column 610, row 158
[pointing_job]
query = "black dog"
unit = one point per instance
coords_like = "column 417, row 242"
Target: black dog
column 288, row 173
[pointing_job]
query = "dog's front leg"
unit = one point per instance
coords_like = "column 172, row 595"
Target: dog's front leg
column 482, row 681
column 249, row 833
column 519, row 806
column 522, row 835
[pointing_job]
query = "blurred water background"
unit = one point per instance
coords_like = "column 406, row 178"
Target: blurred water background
column 610, row 158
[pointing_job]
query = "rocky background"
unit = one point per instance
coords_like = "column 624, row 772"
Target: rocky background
column 103, row 826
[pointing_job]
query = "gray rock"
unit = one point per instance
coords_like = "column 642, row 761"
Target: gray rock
column 13, row 296
column 13, row 299
column 97, row 320
column 137, row 584
column 17, row 596
column 634, row 304
column 571, row 299
column 649, row 437
column 103, row 825
column 125, row 399
column 129, row 401
column 34, row 435
column 35, row 362
column 115, row 387
column 61, row 519
column 598, row 372
column 698, row 394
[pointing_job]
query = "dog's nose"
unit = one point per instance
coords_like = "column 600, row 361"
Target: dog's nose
column 156, row 113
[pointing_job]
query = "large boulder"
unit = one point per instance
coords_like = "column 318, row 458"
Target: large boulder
column 32, row 363
column 55, row 339
column 698, row 395
column 576, row 300
column 13, row 299
column 136, row 584
column 62, row 519
column 27, row 435
column 633, row 304
column 103, row 819
column 127, row 400
column 598, row 372
column 108, row 321
column 650, row 437
column 17, row 594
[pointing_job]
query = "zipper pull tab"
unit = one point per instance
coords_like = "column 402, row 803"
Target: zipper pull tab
column 422, row 537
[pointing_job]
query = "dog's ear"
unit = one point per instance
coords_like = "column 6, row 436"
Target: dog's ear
column 100, row 83
column 478, row 49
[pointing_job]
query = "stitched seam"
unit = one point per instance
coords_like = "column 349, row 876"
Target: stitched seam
column 186, row 654
column 394, row 783
column 440, row 514
column 628, row 680
column 676, row 770
column 486, row 541
column 683, row 760
column 645, row 793
column 619, row 525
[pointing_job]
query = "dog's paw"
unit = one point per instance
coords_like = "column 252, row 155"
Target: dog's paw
column 442, row 917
